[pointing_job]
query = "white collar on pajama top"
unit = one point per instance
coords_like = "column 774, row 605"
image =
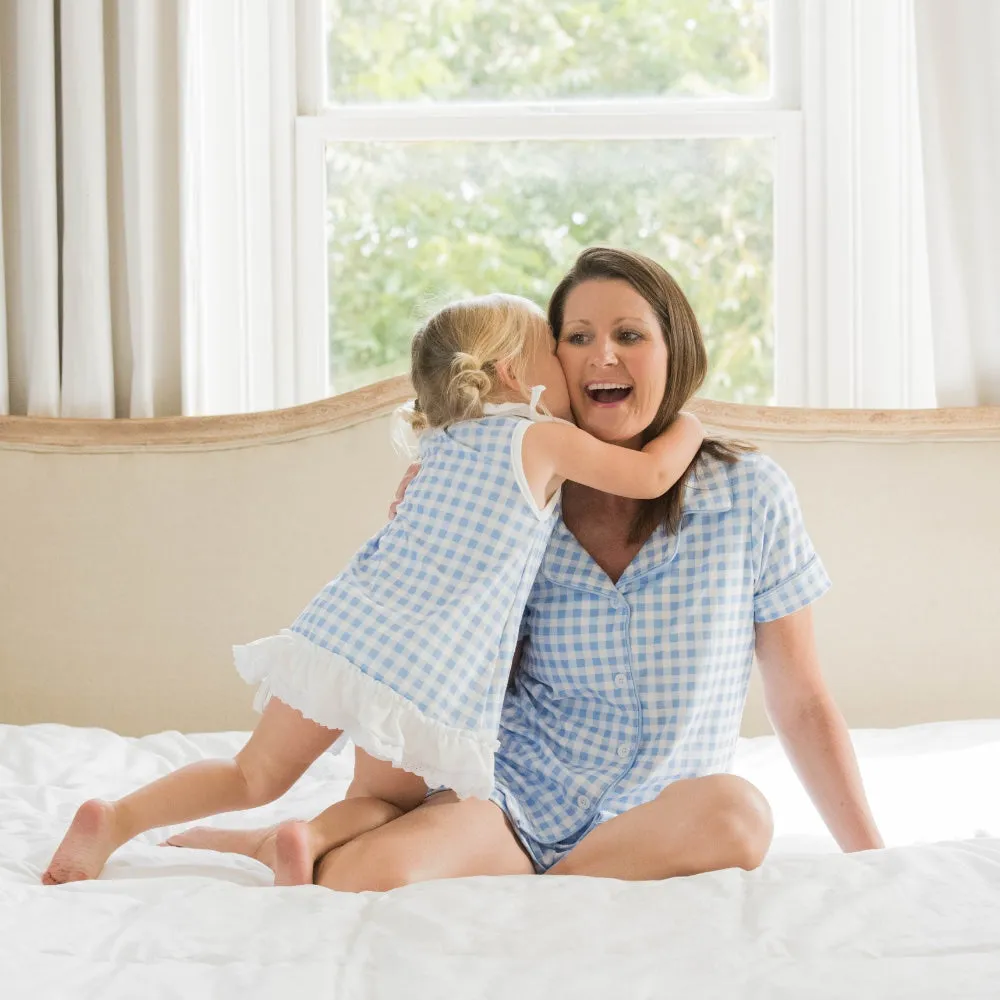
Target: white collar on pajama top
column 624, row 688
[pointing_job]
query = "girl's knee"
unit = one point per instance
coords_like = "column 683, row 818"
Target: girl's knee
column 396, row 800
column 264, row 781
column 378, row 779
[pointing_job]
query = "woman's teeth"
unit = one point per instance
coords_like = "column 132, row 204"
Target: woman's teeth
column 608, row 392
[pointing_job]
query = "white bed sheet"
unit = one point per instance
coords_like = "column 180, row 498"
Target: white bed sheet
column 919, row 920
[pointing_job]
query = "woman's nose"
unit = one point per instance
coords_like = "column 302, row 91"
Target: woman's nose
column 604, row 353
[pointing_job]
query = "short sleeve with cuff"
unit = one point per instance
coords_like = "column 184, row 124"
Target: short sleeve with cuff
column 788, row 572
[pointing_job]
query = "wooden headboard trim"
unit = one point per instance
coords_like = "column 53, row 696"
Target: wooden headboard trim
column 337, row 412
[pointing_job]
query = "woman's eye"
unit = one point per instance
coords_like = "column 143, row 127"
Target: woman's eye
column 629, row 336
column 576, row 338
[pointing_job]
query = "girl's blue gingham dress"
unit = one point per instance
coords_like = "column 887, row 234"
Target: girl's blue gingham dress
column 626, row 687
column 408, row 650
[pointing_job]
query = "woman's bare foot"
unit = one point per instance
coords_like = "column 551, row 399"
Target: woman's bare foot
column 295, row 852
column 86, row 846
column 257, row 844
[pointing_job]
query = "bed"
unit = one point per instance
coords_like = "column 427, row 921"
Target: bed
column 135, row 553
column 921, row 919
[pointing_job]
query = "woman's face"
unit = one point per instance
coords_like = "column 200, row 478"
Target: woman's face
column 612, row 350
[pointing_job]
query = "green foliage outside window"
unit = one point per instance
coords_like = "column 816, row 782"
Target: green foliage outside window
column 514, row 50
column 413, row 225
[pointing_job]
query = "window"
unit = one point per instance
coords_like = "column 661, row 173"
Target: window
column 463, row 147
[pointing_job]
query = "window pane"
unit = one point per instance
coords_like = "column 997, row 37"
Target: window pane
column 414, row 225
column 400, row 50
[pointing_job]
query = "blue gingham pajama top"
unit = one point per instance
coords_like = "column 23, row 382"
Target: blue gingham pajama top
column 624, row 688
column 408, row 650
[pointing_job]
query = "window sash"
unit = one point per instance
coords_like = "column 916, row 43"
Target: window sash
column 777, row 117
column 786, row 44
column 785, row 127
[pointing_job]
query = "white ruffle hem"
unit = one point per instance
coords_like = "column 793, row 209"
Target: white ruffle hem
column 329, row 689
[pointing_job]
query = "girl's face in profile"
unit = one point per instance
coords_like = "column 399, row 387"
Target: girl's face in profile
column 612, row 351
column 543, row 368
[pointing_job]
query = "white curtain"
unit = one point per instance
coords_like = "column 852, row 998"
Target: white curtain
column 146, row 213
column 959, row 85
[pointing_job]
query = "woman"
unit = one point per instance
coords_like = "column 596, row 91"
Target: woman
column 625, row 702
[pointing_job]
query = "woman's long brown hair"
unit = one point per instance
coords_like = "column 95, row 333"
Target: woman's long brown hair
column 687, row 362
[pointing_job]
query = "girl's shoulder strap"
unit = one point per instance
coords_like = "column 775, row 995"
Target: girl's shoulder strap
column 528, row 411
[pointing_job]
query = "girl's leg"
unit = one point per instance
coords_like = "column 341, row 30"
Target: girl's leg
column 692, row 826
column 444, row 837
column 379, row 793
column 278, row 752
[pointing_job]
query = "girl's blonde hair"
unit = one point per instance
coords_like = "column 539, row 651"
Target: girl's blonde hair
column 457, row 352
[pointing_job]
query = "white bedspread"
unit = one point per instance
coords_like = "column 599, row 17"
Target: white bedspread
column 921, row 919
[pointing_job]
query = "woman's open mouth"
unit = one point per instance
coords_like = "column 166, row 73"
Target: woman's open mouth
column 608, row 393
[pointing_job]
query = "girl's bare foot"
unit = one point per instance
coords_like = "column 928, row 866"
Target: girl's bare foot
column 86, row 846
column 295, row 854
column 257, row 844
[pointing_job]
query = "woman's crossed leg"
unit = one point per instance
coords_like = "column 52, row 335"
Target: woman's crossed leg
column 692, row 826
column 445, row 837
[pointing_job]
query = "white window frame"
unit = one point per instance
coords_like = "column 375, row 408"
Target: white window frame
column 779, row 117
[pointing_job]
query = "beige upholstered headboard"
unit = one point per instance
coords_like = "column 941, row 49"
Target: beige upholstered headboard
column 133, row 554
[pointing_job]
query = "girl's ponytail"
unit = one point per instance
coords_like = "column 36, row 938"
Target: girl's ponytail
column 469, row 387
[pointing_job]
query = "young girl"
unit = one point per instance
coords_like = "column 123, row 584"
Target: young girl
column 408, row 650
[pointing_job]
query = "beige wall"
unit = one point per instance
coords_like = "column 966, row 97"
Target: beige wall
column 130, row 565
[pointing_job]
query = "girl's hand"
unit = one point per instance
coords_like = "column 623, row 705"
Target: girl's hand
column 685, row 433
column 401, row 489
column 677, row 447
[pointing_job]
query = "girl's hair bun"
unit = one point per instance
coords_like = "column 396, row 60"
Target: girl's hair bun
column 470, row 382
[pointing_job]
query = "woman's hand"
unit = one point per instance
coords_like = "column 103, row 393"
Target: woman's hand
column 401, row 489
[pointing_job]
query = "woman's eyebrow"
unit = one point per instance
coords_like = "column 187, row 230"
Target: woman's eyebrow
column 582, row 321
